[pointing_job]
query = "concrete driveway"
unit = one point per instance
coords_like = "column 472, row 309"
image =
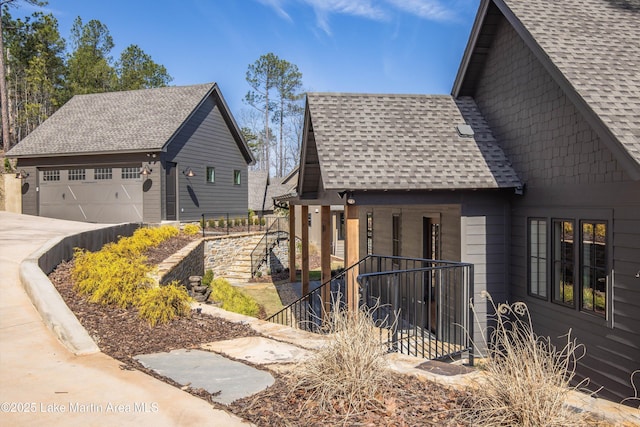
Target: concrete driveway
column 42, row 383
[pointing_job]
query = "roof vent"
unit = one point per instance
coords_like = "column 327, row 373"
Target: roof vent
column 464, row 130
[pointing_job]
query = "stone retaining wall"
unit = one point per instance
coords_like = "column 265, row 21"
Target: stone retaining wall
column 188, row 261
column 221, row 252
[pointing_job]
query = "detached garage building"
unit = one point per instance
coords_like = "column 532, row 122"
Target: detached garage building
column 167, row 154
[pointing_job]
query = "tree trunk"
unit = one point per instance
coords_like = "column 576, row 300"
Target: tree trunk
column 6, row 141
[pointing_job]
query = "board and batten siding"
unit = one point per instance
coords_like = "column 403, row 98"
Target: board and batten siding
column 206, row 141
column 569, row 173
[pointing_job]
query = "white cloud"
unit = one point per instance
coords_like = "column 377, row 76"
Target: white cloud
column 376, row 10
column 427, row 9
column 277, row 6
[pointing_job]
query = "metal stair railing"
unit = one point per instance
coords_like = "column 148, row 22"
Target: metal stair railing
column 277, row 230
column 424, row 305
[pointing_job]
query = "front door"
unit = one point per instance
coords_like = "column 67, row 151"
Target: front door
column 170, row 200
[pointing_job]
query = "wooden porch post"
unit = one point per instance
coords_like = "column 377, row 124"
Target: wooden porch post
column 292, row 243
column 352, row 254
column 304, row 219
column 325, row 256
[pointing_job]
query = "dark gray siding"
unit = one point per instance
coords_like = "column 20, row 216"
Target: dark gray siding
column 569, row 173
column 206, row 141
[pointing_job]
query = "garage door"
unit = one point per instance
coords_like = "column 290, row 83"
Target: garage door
column 104, row 194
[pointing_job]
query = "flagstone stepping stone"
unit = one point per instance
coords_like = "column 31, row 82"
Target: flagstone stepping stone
column 202, row 369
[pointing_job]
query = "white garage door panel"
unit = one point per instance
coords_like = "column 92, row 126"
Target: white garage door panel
column 106, row 201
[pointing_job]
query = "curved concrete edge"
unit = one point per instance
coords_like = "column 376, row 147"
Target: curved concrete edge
column 54, row 311
column 45, row 297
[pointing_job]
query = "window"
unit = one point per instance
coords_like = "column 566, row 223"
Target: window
column 593, row 264
column 538, row 258
column 211, row 174
column 51, row 176
column 395, row 238
column 102, row 173
column 237, row 177
column 130, row 173
column 563, row 262
column 369, row 232
column 76, row 175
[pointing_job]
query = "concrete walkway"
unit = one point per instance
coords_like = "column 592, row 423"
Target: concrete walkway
column 42, row 383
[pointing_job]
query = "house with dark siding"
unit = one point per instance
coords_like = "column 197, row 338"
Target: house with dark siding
column 529, row 170
column 165, row 154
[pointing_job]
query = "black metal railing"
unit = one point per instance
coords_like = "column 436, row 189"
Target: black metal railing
column 422, row 307
column 226, row 223
column 277, row 230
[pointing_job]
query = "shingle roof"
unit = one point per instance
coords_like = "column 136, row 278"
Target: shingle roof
column 591, row 47
column 257, row 187
column 405, row 142
column 116, row 121
column 596, row 46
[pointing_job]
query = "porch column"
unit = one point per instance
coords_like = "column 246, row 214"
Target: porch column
column 304, row 220
column 325, row 256
column 292, row 243
column 352, row 254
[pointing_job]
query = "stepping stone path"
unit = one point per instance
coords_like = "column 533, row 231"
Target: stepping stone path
column 210, row 371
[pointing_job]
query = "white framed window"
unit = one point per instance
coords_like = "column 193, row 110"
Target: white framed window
column 237, row 177
column 102, row 173
column 76, row 174
column 211, row 174
column 130, row 173
column 53, row 175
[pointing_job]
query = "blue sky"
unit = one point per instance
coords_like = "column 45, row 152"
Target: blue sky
column 373, row 46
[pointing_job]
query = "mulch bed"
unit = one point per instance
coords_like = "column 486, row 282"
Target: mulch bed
column 407, row 401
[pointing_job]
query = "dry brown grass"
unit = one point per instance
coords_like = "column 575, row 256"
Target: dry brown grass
column 528, row 378
column 347, row 375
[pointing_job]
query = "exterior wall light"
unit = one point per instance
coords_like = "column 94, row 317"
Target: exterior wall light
column 22, row 174
column 189, row 173
column 146, row 170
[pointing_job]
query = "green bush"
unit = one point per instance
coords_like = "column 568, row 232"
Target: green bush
column 232, row 299
column 207, row 278
column 221, row 222
column 118, row 274
column 162, row 304
column 243, row 221
column 191, row 229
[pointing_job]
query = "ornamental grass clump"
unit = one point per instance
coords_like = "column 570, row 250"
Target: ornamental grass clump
column 118, row 275
column 527, row 377
column 348, row 374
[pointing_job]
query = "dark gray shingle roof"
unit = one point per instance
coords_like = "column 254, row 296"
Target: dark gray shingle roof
column 405, row 142
column 596, row 46
column 257, row 187
column 116, row 121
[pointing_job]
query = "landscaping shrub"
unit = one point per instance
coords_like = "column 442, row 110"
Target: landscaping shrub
column 243, row 221
column 221, row 222
column 527, row 378
column 191, row 229
column 347, row 374
column 162, row 304
column 118, row 274
column 212, row 223
column 232, row 299
column 207, row 278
